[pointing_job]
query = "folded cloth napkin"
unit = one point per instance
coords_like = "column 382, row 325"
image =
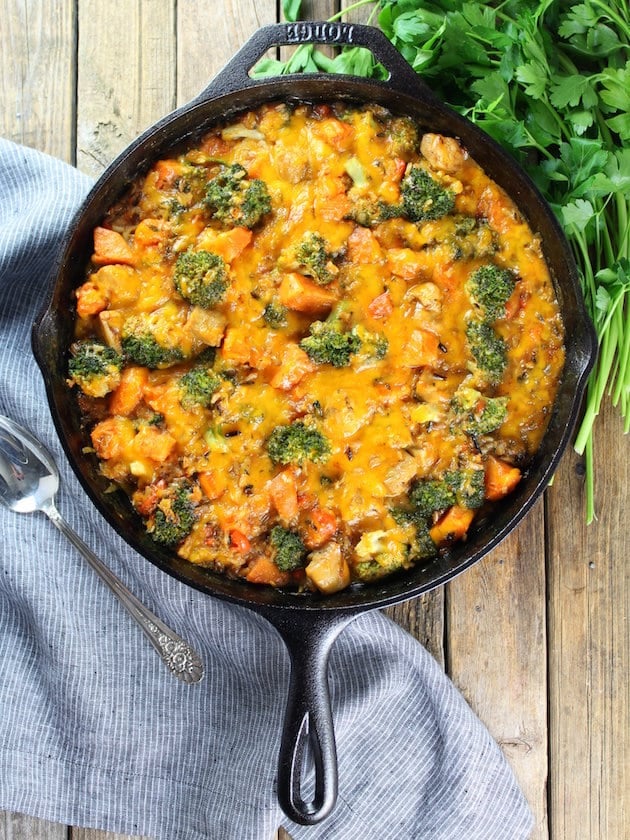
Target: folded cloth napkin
column 95, row 732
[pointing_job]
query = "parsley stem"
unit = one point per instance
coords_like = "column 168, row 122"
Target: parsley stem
column 586, row 269
column 622, row 385
column 589, row 473
column 599, row 377
column 623, row 226
column 609, row 12
column 352, row 7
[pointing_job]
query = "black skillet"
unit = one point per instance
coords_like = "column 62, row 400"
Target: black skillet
column 309, row 623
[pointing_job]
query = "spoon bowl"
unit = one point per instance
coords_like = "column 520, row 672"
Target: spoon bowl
column 29, row 481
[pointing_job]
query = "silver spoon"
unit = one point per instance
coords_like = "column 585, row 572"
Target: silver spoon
column 29, row 480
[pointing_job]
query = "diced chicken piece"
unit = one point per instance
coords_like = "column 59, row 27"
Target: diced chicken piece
column 206, row 325
column 399, row 477
column 111, row 323
column 327, row 569
column 443, row 153
column 294, row 367
column 421, row 349
column 428, row 295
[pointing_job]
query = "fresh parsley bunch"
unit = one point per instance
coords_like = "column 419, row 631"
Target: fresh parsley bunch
column 550, row 81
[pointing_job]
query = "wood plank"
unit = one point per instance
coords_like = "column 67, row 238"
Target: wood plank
column 208, row 35
column 424, row 618
column 496, row 653
column 126, row 78
column 363, row 14
column 20, row 827
column 38, row 75
column 589, row 624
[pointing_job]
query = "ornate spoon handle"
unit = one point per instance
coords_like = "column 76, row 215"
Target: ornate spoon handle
column 178, row 656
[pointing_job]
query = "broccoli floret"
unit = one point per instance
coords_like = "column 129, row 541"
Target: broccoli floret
column 201, row 277
column 404, row 137
column 256, row 203
column 380, row 566
column 289, row 550
column 296, row 443
column 174, row 516
column 374, row 345
column 489, row 288
column 191, row 181
column 355, row 169
column 174, row 209
column 146, row 350
column 488, row 349
column 144, row 342
column 421, row 545
column 428, row 495
column 275, row 314
column 468, row 485
column 472, row 238
column 235, row 200
column 369, row 213
column 315, row 260
column 477, row 414
column 328, row 343
column 94, row 367
column 380, row 553
column 207, row 356
column 198, row 385
column 423, row 198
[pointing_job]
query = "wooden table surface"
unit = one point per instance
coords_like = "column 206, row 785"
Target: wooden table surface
column 536, row 635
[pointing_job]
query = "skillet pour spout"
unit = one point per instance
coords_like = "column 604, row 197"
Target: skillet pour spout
column 307, row 623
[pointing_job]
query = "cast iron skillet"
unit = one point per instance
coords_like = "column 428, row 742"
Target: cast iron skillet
column 309, row 623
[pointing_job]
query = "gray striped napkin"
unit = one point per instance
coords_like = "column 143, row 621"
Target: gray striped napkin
column 94, row 731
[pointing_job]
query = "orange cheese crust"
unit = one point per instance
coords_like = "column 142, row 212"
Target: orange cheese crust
column 399, row 415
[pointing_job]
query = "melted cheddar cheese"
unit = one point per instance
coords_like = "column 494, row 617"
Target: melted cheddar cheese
column 409, row 451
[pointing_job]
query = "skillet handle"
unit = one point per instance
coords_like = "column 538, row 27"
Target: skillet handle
column 308, row 735
column 235, row 75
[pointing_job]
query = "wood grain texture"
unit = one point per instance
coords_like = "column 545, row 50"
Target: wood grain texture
column 208, row 35
column 21, row 827
column 589, row 651
column 94, row 834
column 37, row 75
column 496, row 653
column 126, row 75
column 423, row 617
